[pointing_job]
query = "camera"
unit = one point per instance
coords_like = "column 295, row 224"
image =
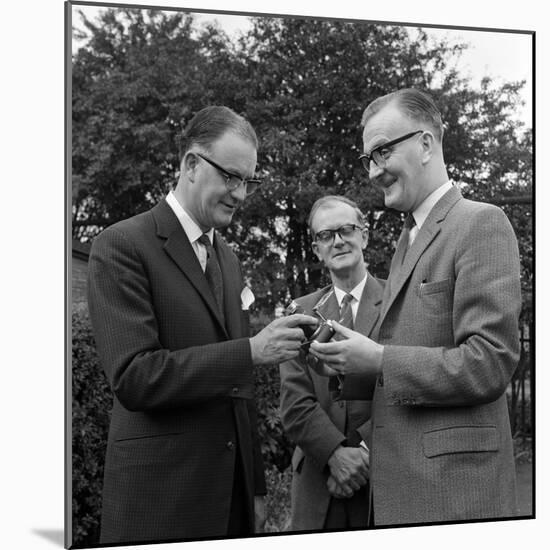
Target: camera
column 322, row 333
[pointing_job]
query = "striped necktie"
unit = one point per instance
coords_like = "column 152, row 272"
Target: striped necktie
column 346, row 314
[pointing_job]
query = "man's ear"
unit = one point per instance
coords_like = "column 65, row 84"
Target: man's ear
column 427, row 142
column 315, row 248
column 189, row 164
column 365, row 236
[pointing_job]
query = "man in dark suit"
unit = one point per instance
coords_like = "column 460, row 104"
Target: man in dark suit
column 168, row 308
column 448, row 333
column 330, row 462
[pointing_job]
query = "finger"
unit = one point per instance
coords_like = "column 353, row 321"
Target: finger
column 299, row 319
column 329, row 348
column 342, row 330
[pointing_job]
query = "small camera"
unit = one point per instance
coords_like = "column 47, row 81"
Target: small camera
column 322, row 333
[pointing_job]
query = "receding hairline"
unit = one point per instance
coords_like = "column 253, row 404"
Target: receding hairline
column 329, row 201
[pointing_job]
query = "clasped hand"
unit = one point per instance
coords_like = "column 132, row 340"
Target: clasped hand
column 349, row 471
column 352, row 354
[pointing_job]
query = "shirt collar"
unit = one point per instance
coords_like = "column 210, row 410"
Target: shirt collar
column 356, row 292
column 421, row 213
column 192, row 230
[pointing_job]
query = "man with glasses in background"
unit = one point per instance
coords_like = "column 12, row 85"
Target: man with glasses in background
column 448, row 333
column 331, row 459
column 168, row 308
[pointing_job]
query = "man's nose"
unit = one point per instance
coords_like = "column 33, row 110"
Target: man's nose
column 374, row 170
column 239, row 193
column 338, row 241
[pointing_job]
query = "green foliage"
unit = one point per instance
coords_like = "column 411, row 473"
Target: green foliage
column 91, row 406
column 277, row 505
column 303, row 83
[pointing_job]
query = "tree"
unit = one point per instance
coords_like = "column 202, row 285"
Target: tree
column 303, row 83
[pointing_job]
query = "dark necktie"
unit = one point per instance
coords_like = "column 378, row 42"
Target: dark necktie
column 407, row 228
column 213, row 272
column 346, row 314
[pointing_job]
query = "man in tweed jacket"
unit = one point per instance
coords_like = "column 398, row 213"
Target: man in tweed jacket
column 448, row 334
column 183, row 458
column 330, row 462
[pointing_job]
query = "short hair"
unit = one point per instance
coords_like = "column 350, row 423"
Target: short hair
column 327, row 199
column 415, row 104
column 210, row 124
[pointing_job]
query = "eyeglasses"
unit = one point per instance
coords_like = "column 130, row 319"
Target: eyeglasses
column 379, row 155
column 232, row 181
column 326, row 236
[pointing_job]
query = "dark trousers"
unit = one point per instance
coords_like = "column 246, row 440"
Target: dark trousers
column 239, row 524
column 349, row 513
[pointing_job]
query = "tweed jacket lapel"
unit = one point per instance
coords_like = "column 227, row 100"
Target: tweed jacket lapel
column 368, row 312
column 400, row 272
column 178, row 247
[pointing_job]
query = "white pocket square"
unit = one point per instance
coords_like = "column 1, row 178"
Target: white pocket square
column 247, row 298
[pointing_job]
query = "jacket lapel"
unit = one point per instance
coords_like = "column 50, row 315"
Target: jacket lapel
column 368, row 310
column 178, row 247
column 401, row 270
column 232, row 284
column 328, row 307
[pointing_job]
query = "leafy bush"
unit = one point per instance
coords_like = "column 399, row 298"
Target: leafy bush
column 91, row 405
column 277, row 506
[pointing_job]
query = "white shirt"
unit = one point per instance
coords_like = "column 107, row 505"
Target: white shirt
column 357, row 292
column 192, row 230
column 421, row 213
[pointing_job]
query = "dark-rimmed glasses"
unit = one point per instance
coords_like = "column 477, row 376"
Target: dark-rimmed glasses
column 379, row 155
column 326, row 236
column 232, row 181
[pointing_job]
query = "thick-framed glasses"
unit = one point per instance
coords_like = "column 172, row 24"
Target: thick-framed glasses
column 379, row 155
column 232, row 181
column 326, row 236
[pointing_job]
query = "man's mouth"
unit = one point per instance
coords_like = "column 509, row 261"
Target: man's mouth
column 341, row 254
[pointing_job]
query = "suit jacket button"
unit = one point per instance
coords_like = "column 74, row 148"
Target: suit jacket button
column 230, row 445
column 235, row 391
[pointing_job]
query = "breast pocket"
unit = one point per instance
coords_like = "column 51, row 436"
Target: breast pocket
column 436, row 297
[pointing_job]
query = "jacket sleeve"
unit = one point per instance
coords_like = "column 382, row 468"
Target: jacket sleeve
column 304, row 420
column 143, row 374
column 485, row 312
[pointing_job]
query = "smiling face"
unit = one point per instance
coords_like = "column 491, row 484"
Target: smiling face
column 401, row 180
column 207, row 199
column 344, row 256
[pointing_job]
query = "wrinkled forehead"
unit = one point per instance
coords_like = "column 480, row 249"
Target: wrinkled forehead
column 387, row 124
column 334, row 214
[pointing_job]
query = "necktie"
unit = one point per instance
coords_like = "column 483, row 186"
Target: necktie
column 213, row 272
column 412, row 228
column 346, row 314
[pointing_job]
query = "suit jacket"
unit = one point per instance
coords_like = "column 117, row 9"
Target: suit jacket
column 182, row 383
column 314, row 421
column 442, row 447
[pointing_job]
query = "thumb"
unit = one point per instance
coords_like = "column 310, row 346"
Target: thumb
column 342, row 330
